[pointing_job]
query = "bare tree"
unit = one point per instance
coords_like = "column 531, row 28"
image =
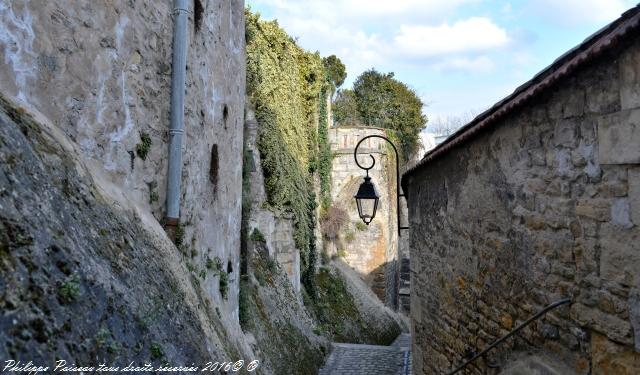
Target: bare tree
column 449, row 124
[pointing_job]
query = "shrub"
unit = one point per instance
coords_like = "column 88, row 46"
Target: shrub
column 179, row 237
column 257, row 236
column 332, row 220
column 350, row 236
column 69, row 290
column 142, row 148
column 156, row 351
column 224, row 284
column 324, row 256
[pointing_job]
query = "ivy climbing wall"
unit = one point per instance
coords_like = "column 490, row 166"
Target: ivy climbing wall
column 286, row 86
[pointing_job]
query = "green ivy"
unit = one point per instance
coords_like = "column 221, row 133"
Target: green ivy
column 324, row 157
column 284, row 83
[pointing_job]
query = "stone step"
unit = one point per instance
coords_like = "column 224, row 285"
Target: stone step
column 356, row 359
column 404, row 340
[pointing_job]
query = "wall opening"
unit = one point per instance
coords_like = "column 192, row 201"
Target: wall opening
column 229, row 267
column 225, row 116
column 213, row 168
column 198, row 13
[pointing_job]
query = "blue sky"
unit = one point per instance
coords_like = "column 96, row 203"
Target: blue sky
column 460, row 56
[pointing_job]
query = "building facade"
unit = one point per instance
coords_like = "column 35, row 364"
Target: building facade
column 534, row 201
column 101, row 73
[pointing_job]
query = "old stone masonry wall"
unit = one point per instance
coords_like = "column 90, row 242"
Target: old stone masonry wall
column 101, row 72
column 543, row 206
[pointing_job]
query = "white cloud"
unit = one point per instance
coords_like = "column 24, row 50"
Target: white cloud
column 363, row 11
column 470, row 35
column 480, row 64
column 577, row 12
column 386, row 35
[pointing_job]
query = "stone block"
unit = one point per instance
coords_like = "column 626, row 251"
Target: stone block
column 620, row 213
column 629, row 65
column 562, row 162
column 619, row 254
column 610, row 358
column 574, row 104
column 535, row 222
column 506, row 321
column 564, row 133
column 634, row 194
column 608, row 324
column 588, row 127
column 602, row 97
column 619, row 137
column 634, row 316
column 596, row 209
column 578, row 159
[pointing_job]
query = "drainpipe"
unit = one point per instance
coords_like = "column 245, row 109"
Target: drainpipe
column 176, row 130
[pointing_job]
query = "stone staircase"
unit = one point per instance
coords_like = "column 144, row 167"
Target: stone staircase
column 358, row 359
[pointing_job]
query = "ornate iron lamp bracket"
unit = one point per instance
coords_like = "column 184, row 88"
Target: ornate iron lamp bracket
column 373, row 163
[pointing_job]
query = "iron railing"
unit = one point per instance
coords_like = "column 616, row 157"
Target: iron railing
column 513, row 332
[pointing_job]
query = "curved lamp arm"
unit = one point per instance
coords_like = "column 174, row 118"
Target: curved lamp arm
column 373, row 163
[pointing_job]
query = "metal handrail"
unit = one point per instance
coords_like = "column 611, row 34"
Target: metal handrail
column 513, row 332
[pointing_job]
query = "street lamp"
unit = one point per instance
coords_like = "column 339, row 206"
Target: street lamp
column 367, row 197
column 367, row 200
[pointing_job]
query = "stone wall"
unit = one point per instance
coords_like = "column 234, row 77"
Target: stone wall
column 542, row 206
column 276, row 227
column 404, row 264
column 371, row 250
column 101, row 72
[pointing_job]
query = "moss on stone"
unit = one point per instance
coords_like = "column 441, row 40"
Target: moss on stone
column 339, row 317
column 144, row 146
column 156, row 351
column 223, row 284
column 179, row 235
column 285, row 347
column 69, row 290
column 257, row 236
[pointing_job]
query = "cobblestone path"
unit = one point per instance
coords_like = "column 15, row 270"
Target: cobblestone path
column 356, row 359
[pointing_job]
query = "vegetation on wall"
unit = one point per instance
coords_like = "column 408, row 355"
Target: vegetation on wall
column 333, row 220
column 285, row 84
column 143, row 148
column 289, row 88
column 324, row 151
column 286, row 345
column 335, row 74
column 339, row 317
column 280, row 80
column 380, row 100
